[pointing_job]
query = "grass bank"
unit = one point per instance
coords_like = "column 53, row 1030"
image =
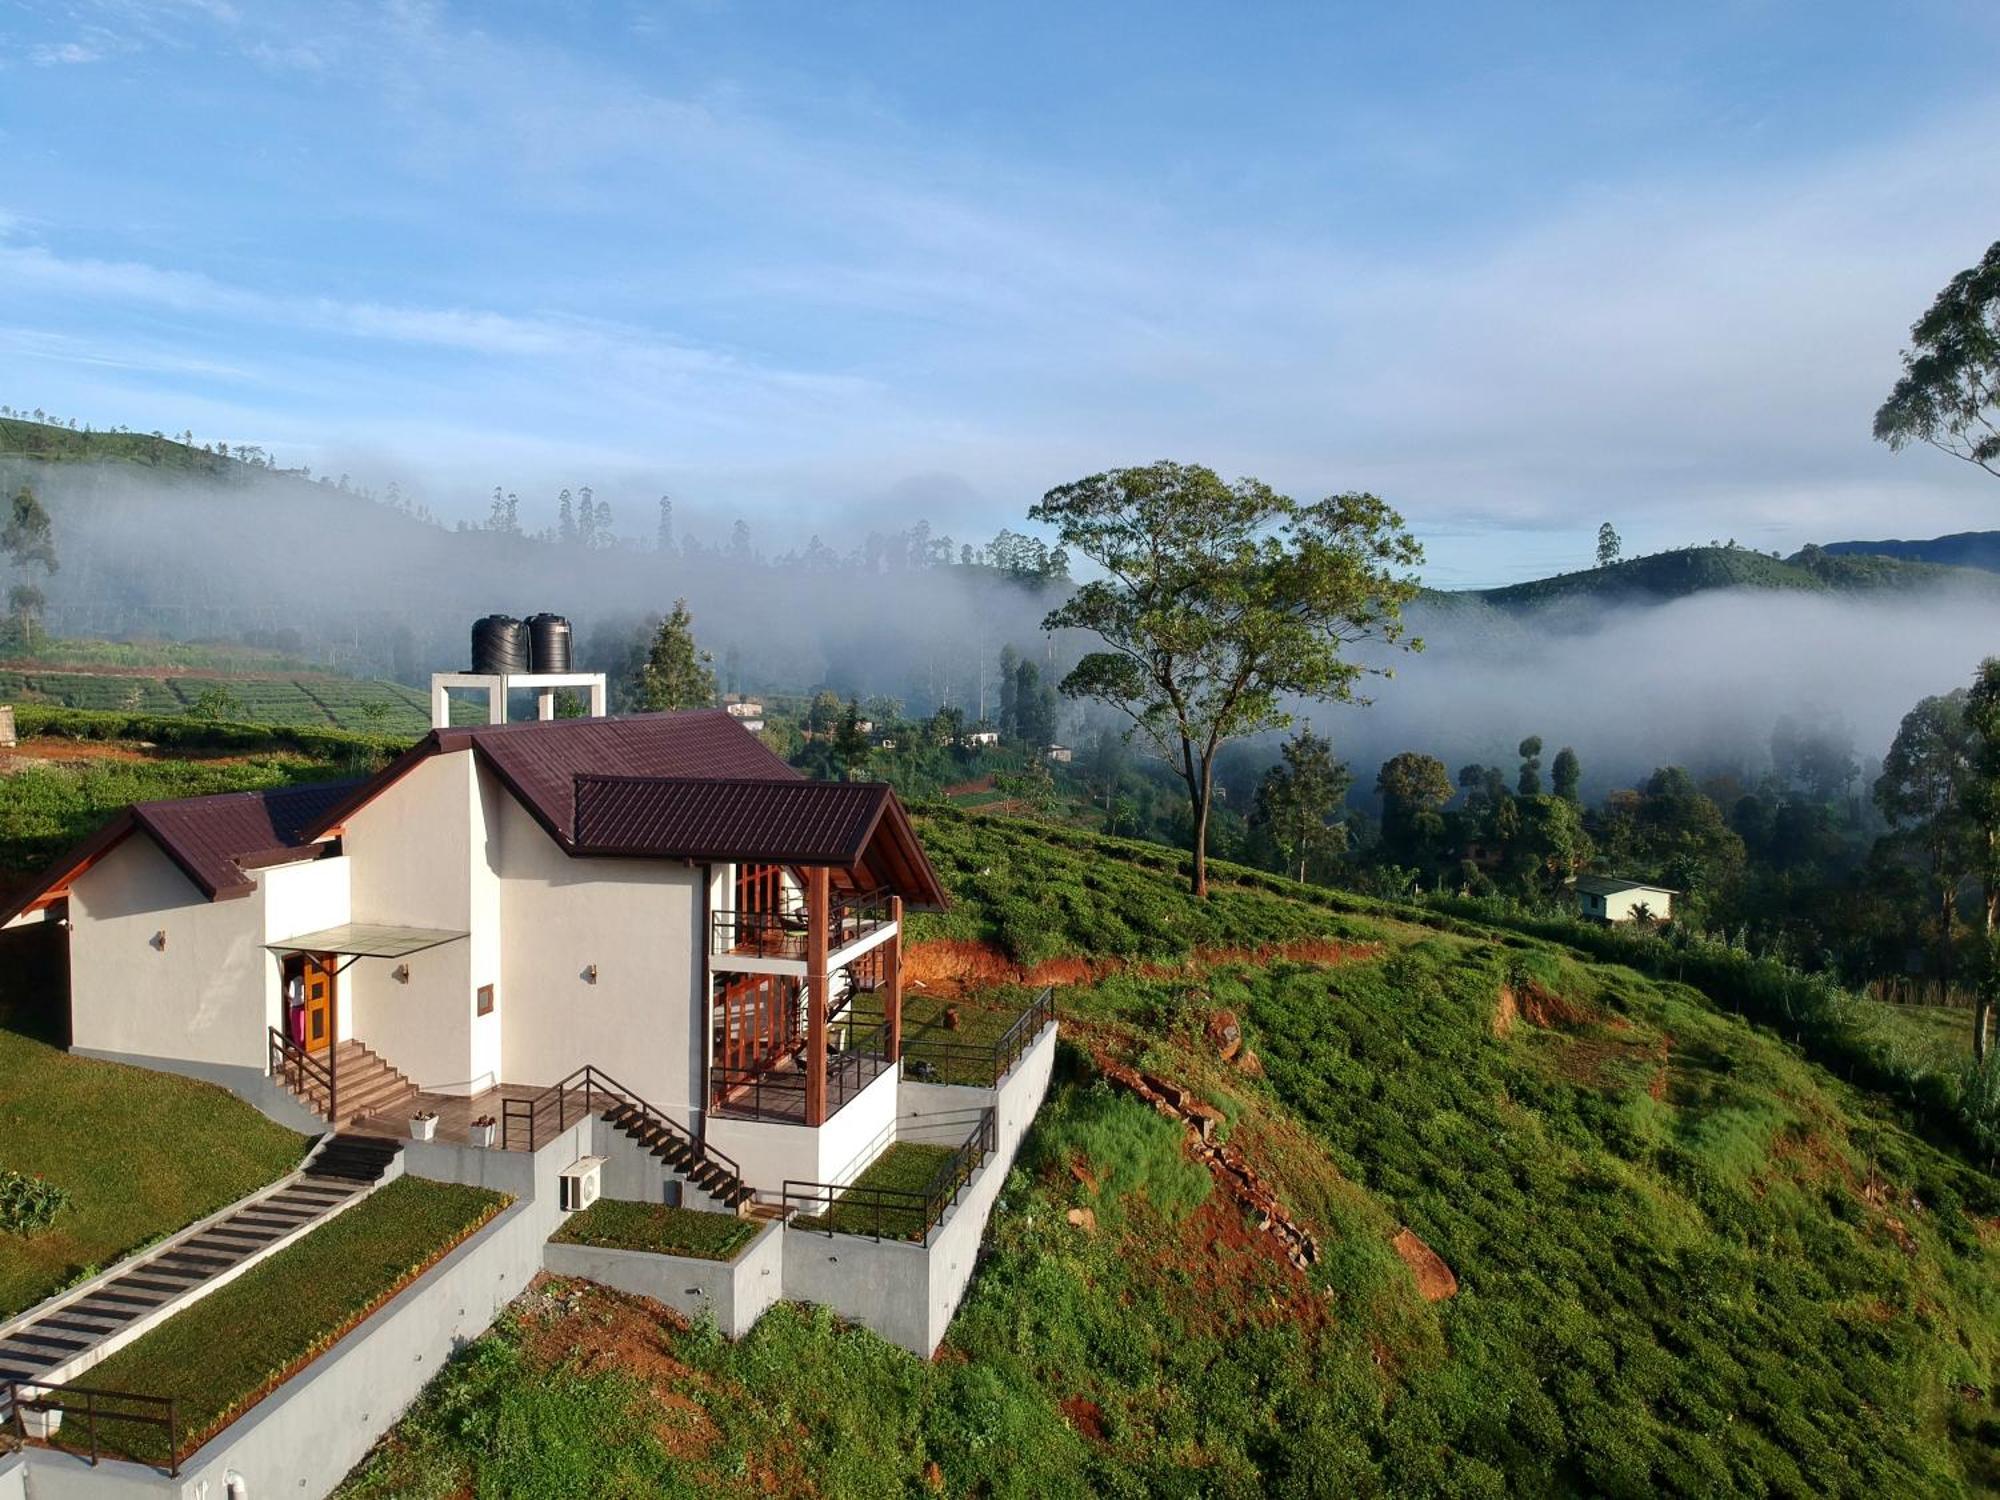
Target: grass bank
column 220, row 1356
column 610, row 1224
column 141, row 1154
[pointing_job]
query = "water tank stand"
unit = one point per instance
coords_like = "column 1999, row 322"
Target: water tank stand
column 497, row 685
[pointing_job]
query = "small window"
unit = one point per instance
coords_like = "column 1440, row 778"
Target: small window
column 485, row 1004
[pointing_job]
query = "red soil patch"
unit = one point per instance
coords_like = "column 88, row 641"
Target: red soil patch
column 955, row 965
column 1434, row 1278
column 969, row 788
column 51, row 750
column 1547, row 1009
column 1087, row 1417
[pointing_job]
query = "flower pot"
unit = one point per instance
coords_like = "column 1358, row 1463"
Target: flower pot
column 482, row 1135
column 40, row 1425
column 423, row 1127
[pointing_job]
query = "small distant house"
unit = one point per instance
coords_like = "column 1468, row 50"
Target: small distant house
column 979, row 739
column 1062, row 755
column 8, row 739
column 748, row 712
column 864, row 726
column 1612, row 898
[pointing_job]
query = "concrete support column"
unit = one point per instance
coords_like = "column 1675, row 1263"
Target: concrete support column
column 597, row 698
column 440, row 704
column 818, row 907
column 545, row 703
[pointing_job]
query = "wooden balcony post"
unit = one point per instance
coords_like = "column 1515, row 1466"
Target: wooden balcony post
column 333, row 1049
column 892, row 960
column 818, row 912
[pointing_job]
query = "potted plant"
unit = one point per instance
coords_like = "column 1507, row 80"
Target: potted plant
column 484, row 1129
column 38, row 1422
column 423, row 1125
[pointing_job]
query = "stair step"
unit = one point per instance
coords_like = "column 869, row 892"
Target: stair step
column 13, row 1355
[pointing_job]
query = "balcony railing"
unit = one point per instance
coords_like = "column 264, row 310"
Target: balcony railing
column 932, row 1058
column 787, row 934
column 779, row 1092
column 892, row 1213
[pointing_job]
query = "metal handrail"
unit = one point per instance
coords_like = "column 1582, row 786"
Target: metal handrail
column 60, row 1399
column 846, row 1073
column 983, row 1066
column 292, row 1062
column 593, row 1082
column 929, row 1204
column 785, row 933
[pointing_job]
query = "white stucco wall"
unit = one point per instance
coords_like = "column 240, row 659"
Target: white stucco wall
column 411, row 852
column 637, row 921
column 202, row 997
column 768, row 1153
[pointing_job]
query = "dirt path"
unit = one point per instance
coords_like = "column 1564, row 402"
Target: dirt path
column 950, row 966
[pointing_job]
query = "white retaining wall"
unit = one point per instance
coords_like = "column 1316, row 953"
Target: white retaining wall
column 738, row 1292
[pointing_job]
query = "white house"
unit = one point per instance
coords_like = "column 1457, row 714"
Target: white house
column 657, row 897
column 1608, row 898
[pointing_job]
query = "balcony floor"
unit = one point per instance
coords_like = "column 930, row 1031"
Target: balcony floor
column 456, row 1112
column 779, row 1093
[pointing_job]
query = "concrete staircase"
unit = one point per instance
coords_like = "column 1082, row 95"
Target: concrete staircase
column 367, row 1084
column 61, row 1343
column 681, row 1154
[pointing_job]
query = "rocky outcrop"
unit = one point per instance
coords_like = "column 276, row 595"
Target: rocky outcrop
column 1226, row 1164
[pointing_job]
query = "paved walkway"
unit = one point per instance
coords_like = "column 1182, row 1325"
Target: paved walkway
column 49, row 1348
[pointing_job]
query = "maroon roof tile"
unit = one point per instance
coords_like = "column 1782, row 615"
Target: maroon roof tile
column 775, row 822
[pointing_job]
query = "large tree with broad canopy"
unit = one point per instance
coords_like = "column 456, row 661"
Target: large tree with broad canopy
column 1220, row 601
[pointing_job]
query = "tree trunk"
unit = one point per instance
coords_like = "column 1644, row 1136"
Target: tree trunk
column 1199, row 884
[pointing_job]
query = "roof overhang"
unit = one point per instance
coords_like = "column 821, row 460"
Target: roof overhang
column 367, row 940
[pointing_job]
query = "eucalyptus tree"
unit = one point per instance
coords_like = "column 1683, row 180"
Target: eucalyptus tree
column 1922, row 788
column 1217, row 601
column 1949, row 394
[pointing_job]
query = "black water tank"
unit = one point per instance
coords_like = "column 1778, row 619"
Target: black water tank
column 499, row 644
column 548, row 642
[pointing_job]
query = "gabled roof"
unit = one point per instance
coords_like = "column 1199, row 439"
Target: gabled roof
column 216, row 841
column 540, row 759
column 773, row 822
column 691, row 785
column 1612, row 885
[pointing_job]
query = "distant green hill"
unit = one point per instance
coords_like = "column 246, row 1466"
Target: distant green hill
column 1962, row 549
column 52, row 444
column 1694, row 570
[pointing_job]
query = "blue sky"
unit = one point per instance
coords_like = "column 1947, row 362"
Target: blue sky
column 1517, row 268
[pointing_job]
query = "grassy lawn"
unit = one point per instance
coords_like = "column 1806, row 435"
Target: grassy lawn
column 905, row 1167
column 613, row 1225
column 141, row 1154
column 222, row 1354
column 965, row 1054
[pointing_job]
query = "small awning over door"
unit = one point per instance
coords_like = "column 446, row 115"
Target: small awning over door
column 367, row 940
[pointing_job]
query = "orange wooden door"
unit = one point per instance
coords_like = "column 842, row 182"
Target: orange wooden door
column 319, row 1004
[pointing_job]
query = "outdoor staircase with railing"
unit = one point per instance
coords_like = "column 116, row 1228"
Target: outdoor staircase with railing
column 360, row 1081
column 111, row 1311
column 679, row 1152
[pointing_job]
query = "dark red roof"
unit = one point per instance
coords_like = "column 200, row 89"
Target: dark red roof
column 216, row 841
column 774, row 822
column 540, row 759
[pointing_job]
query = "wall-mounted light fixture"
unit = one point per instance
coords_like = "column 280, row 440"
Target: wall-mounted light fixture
column 401, row 973
column 590, row 973
column 160, row 940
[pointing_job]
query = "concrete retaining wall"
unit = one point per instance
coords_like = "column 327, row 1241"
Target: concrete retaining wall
column 737, row 1292
column 908, row 1293
column 305, row 1436
column 633, row 1174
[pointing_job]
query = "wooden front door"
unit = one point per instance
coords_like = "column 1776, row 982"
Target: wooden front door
column 319, row 1002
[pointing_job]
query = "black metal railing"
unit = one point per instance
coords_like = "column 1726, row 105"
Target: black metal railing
column 93, row 1406
column 935, row 1058
column 856, row 1055
column 590, row 1091
column 787, row 934
column 892, row 1213
column 301, row 1072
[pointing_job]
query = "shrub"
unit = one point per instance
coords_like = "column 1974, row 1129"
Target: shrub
column 28, row 1205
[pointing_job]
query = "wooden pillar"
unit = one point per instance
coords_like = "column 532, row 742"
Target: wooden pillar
column 817, row 913
column 892, row 979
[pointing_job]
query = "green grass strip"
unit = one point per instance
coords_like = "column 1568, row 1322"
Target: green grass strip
column 609, row 1224
column 226, row 1352
column 905, row 1167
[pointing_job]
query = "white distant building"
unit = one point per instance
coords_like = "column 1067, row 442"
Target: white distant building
column 1611, row 898
column 979, row 738
column 747, row 712
column 1062, row 755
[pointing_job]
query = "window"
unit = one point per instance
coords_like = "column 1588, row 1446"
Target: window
column 485, row 1001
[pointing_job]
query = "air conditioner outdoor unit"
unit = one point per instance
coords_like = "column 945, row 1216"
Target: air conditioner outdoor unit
column 581, row 1182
